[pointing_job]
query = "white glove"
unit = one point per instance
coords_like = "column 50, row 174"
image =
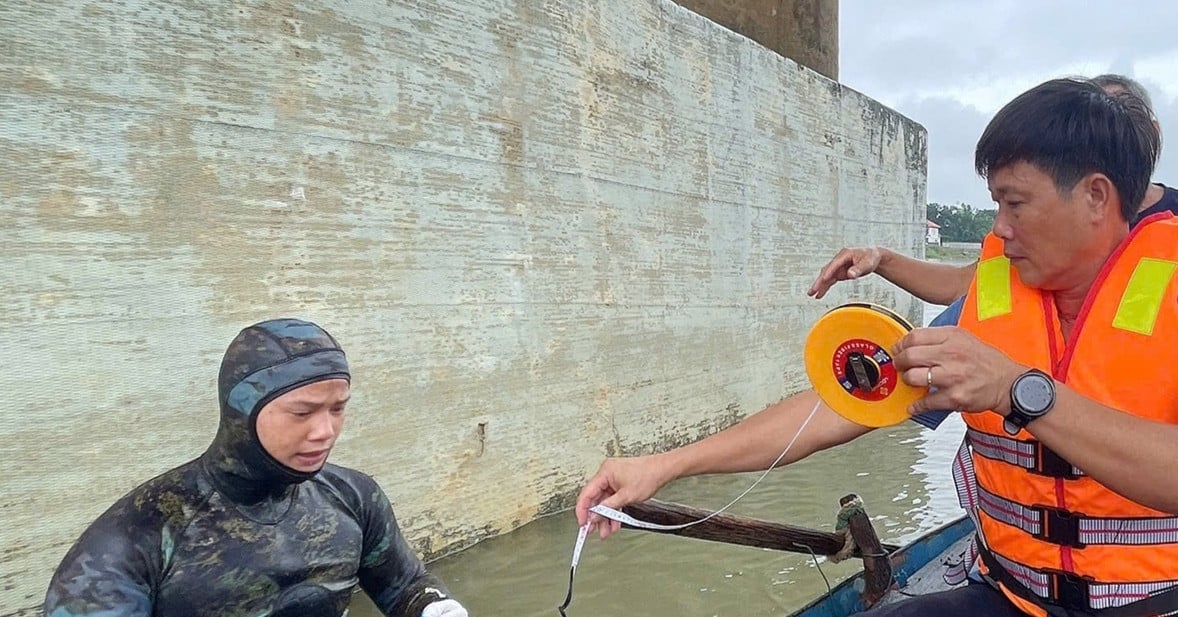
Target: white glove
column 444, row 608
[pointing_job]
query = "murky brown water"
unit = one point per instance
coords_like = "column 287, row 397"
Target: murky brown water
column 902, row 473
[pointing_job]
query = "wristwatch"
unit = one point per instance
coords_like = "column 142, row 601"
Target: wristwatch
column 1031, row 396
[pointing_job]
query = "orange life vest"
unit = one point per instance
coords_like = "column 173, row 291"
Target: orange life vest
column 1054, row 539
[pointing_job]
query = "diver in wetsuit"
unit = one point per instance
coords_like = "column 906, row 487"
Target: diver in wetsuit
column 259, row 524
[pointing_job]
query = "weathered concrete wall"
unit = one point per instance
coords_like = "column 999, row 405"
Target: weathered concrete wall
column 806, row 31
column 586, row 228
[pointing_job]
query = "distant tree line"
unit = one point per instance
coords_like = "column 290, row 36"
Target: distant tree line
column 961, row 222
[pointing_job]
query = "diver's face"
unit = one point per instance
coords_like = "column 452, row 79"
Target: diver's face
column 299, row 428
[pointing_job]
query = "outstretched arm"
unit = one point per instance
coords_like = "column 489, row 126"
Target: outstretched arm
column 750, row 445
column 936, row 283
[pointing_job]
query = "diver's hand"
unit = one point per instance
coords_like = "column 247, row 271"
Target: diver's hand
column 444, row 608
column 620, row 482
column 848, row 264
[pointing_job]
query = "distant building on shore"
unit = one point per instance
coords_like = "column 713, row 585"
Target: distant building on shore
column 932, row 233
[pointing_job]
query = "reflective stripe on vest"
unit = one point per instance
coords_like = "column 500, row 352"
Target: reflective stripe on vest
column 1069, row 529
column 1069, row 590
column 994, row 297
column 1138, row 309
column 1056, row 586
column 1030, row 455
column 1142, row 300
column 1051, row 586
column 966, row 482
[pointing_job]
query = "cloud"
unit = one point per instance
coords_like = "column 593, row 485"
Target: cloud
column 950, row 64
column 953, row 129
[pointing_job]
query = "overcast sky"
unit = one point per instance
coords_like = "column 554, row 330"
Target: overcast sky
column 951, row 64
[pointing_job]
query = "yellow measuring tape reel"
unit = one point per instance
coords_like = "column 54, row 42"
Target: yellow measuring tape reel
column 849, row 362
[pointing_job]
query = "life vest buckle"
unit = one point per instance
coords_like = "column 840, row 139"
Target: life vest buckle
column 1060, row 527
column 1048, row 463
column 1069, row 590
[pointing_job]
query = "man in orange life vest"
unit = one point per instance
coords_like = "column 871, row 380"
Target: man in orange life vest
column 1060, row 365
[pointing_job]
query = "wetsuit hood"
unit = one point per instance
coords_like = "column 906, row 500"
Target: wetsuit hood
column 263, row 362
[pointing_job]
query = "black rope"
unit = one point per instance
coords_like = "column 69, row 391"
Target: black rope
column 568, row 598
column 819, row 566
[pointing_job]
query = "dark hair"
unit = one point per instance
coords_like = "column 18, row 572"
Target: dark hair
column 1070, row 128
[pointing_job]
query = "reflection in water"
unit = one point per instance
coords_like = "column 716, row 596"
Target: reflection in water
column 902, row 473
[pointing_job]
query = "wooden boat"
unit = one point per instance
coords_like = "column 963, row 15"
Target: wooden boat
column 890, row 572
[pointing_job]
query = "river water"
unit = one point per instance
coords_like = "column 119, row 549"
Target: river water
column 902, row 473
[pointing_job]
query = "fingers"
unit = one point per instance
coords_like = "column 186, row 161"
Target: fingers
column 820, row 287
column 817, row 291
column 848, row 264
column 605, row 527
column 618, row 483
column 913, row 362
column 603, row 488
column 925, row 358
column 917, row 376
column 923, row 337
column 863, row 262
column 584, row 501
column 617, row 501
column 595, row 490
column 940, row 400
column 962, row 372
column 913, row 354
column 834, row 271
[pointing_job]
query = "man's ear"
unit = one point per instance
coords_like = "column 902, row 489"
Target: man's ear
column 1101, row 197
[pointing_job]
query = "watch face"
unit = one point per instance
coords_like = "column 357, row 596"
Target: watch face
column 1034, row 393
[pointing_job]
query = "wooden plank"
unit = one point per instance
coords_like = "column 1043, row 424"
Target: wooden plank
column 733, row 529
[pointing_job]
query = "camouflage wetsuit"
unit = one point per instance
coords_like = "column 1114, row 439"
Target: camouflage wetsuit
column 234, row 532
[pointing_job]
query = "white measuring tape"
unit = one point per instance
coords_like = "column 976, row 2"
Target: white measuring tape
column 622, row 517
